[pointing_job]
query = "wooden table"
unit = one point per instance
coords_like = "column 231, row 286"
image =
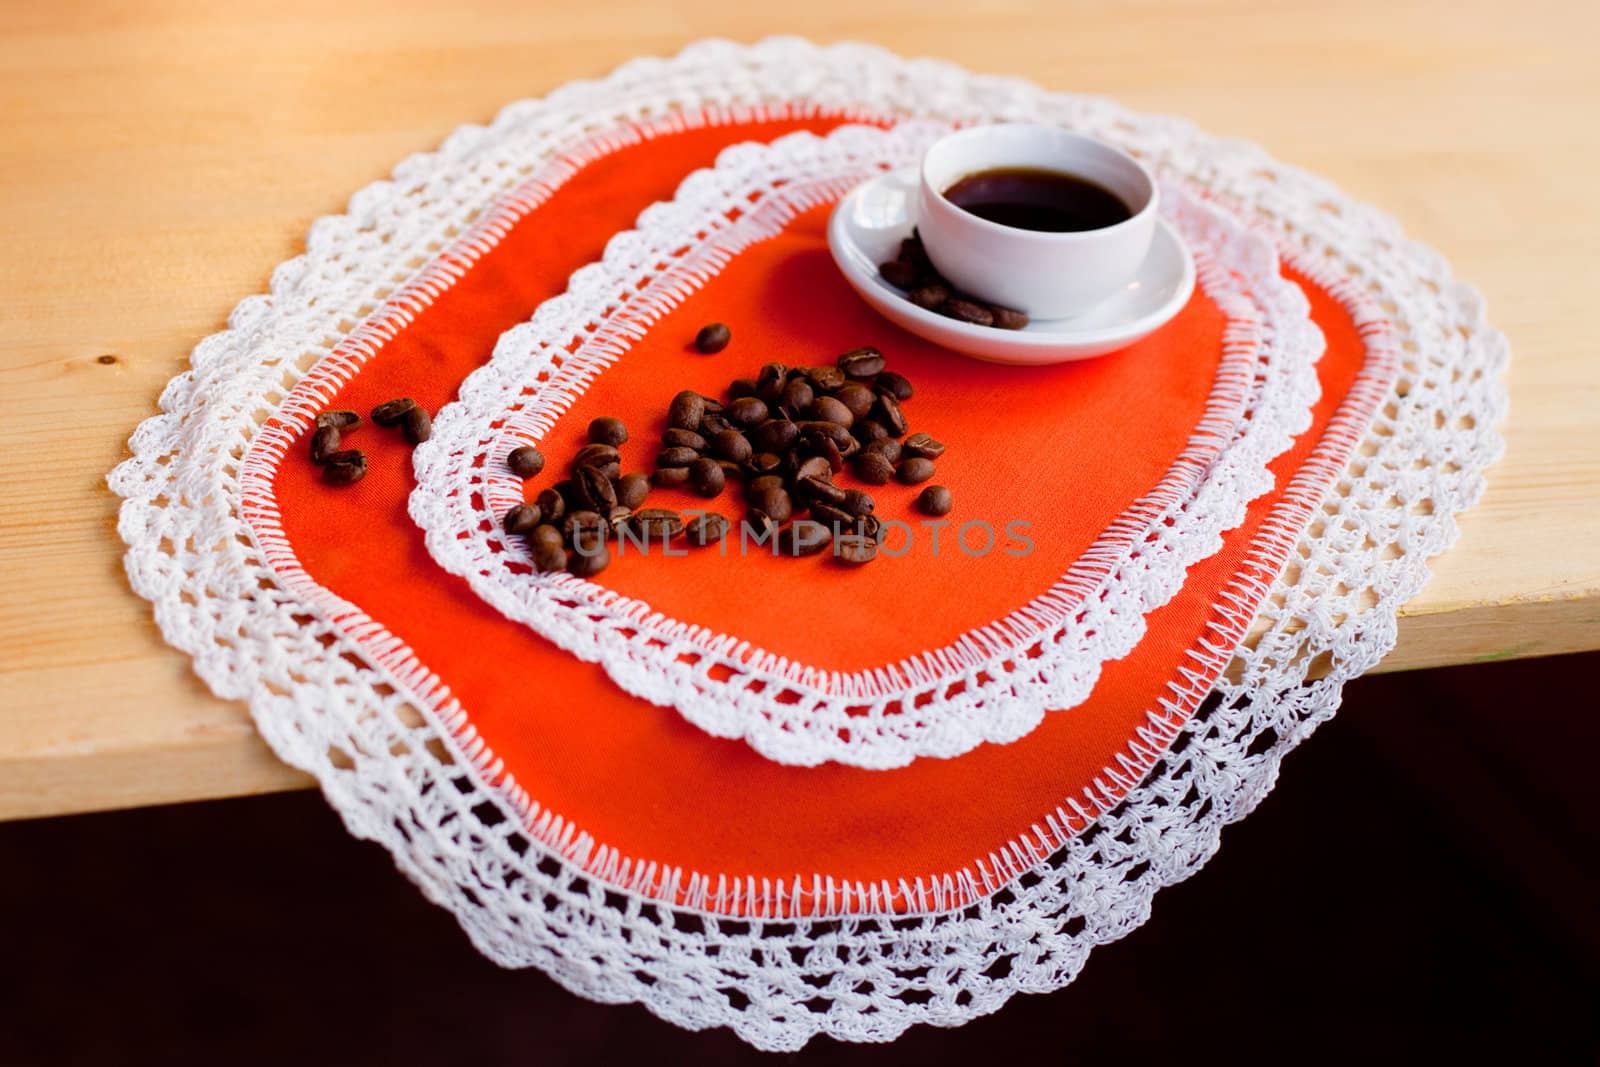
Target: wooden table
column 159, row 160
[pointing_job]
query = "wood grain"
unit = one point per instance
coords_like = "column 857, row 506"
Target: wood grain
column 160, row 159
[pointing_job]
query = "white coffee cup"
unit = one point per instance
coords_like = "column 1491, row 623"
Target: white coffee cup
column 1048, row 275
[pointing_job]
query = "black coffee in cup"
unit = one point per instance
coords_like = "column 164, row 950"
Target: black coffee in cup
column 1033, row 198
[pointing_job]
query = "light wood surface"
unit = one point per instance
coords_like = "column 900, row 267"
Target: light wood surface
column 159, row 159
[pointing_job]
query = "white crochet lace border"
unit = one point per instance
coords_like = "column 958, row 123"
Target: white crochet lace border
column 1364, row 515
column 994, row 684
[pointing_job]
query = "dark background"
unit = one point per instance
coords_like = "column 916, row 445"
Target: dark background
column 1421, row 883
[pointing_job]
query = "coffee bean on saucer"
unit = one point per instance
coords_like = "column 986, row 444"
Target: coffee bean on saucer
column 873, row 467
column 707, row 529
column 967, row 311
column 914, row 471
column 733, row 446
column 712, row 338
column 706, row 476
column 1006, row 318
column 934, row 500
column 594, row 489
column 525, row 462
column 929, row 297
column 899, row 273
column 896, row 385
column 855, row 549
column 390, row 412
column 522, row 519
column 551, row 504
column 324, row 443
column 608, row 430
column 804, row 537
column 855, row 397
column 632, row 489
column 746, row 411
column 589, row 559
column 920, row 444
column 345, row 468
column 417, row 425
column 687, row 410
column 861, row 363
column 888, row 412
column 339, row 419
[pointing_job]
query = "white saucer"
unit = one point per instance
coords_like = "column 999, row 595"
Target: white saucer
column 868, row 225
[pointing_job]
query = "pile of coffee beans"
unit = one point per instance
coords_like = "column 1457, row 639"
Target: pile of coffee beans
column 347, row 466
column 913, row 273
column 785, row 435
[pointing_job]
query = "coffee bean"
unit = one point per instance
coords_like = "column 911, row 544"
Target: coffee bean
column 707, row 529
column 676, row 457
column 670, row 477
column 929, row 297
column 914, row 471
column 594, row 489
column 545, row 535
column 967, row 311
column 747, row 411
column 758, row 526
column 765, row 463
column 870, row 526
column 417, row 425
column 760, row 484
column 608, row 430
column 596, row 456
column 1007, row 318
column 770, row 382
column 714, row 422
column 657, row 524
column 868, row 430
column 888, row 447
column 804, row 538
column 733, row 446
column 832, row 517
column 898, row 273
column 774, row 435
column 855, row 549
column 675, row 438
column 525, row 462
column 873, row 467
column 896, row 385
column 859, row 363
column 584, row 524
column 857, row 503
column 814, row 467
column 569, row 492
column 797, row 396
column 706, row 476
column 348, row 455
column 345, row 471
column 632, row 490
column 920, row 444
column 390, row 412
column 825, row 379
column 827, row 451
column 552, row 504
column 775, row 503
column 339, row 420
column 935, row 500
column 550, row 558
column 522, row 519
column 911, row 251
column 818, row 487
column 889, row 413
column 687, row 409
column 829, row 409
column 857, row 398
column 712, row 338
column 589, row 560
column 741, row 387
column 618, row 516
column 324, row 443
